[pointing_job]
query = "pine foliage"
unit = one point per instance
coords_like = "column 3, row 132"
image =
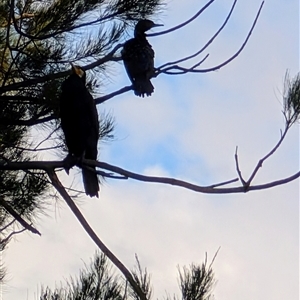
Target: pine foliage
column 99, row 282
column 38, row 41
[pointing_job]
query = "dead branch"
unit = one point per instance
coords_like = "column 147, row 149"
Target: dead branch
column 7, row 225
column 205, row 46
column 261, row 161
column 181, row 70
column 184, row 23
column 12, row 212
column 102, row 99
column 59, row 187
column 197, row 188
column 238, row 167
column 211, row 189
column 4, row 241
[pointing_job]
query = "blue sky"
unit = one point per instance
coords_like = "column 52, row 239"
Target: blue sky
column 189, row 129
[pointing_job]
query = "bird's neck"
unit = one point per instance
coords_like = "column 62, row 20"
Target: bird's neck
column 140, row 35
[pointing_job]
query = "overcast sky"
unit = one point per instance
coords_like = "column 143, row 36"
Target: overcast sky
column 189, row 129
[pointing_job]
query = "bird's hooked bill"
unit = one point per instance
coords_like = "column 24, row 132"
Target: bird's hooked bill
column 77, row 70
column 157, row 25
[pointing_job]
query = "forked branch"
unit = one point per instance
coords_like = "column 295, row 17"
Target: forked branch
column 210, row 189
column 175, row 69
column 291, row 113
column 184, row 23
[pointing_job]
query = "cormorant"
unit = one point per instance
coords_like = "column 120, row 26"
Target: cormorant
column 138, row 58
column 79, row 122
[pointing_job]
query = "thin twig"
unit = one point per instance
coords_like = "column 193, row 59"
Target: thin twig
column 59, row 187
column 102, row 99
column 261, row 161
column 7, row 225
column 182, row 70
column 212, row 261
column 238, row 167
column 205, row 46
column 223, row 183
column 11, row 211
column 184, row 23
column 5, row 240
column 47, row 138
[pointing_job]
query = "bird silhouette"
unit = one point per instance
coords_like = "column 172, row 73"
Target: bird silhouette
column 79, row 122
column 138, row 58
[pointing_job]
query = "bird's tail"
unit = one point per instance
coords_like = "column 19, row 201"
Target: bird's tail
column 90, row 182
column 142, row 87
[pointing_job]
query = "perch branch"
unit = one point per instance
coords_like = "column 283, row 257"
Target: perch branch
column 45, row 165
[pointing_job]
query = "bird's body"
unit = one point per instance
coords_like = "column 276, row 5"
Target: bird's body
column 79, row 122
column 138, row 58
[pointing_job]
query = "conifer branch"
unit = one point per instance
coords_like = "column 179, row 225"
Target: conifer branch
column 17, row 216
column 59, row 187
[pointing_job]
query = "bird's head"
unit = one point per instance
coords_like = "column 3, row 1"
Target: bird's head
column 76, row 70
column 143, row 25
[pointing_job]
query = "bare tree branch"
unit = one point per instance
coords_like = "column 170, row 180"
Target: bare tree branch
column 59, row 187
column 102, row 99
column 211, row 189
column 11, row 211
column 46, row 138
column 197, row 188
column 7, row 225
column 205, row 46
column 6, row 239
column 261, row 161
column 182, row 70
column 184, row 23
column 238, row 167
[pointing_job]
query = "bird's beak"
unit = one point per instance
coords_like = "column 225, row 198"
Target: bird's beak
column 75, row 70
column 157, row 25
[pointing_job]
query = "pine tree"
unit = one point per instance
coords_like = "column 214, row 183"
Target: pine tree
column 38, row 41
column 99, row 282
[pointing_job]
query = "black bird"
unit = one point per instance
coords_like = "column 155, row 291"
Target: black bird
column 138, row 58
column 79, row 122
